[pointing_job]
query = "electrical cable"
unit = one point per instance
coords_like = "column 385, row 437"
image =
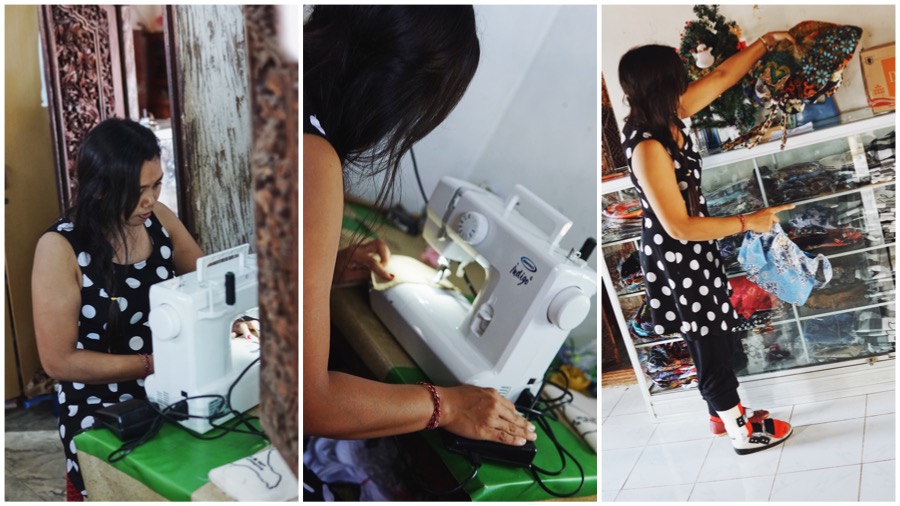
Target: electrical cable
column 412, row 154
column 162, row 416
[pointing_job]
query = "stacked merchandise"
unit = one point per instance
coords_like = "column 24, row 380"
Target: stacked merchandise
column 886, row 201
column 802, row 181
column 640, row 327
column 845, row 289
column 770, row 349
column 833, row 337
column 737, row 198
column 821, row 229
column 878, row 328
column 622, row 220
column 631, row 276
column 669, row 365
column 756, row 308
column 883, row 149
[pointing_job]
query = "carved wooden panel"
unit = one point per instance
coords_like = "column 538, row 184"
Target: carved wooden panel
column 211, row 122
column 83, row 74
column 613, row 154
column 273, row 89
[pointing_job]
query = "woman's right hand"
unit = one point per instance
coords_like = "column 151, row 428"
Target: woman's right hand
column 761, row 221
column 483, row 414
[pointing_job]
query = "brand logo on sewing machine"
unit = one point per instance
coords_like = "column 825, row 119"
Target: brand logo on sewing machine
column 519, row 272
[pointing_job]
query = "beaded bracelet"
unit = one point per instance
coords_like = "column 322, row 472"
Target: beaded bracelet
column 763, row 40
column 436, row 398
column 146, row 359
column 743, row 225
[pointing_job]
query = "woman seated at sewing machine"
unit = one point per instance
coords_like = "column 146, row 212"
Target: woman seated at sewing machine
column 92, row 275
column 377, row 79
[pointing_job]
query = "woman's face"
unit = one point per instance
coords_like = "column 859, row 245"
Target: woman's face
column 151, row 184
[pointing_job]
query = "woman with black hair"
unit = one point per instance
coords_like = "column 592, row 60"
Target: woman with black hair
column 92, row 275
column 377, row 79
column 685, row 283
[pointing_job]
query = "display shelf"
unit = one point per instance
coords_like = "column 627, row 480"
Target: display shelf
column 790, row 348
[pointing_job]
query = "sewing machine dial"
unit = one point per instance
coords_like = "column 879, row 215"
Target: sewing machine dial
column 472, row 227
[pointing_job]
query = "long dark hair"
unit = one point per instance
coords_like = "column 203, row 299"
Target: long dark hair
column 108, row 167
column 653, row 78
column 381, row 77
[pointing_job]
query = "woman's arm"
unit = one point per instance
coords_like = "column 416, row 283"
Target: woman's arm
column 186, row 251
column 705, row 90
column 56, row 301
column 339, row 405
column 655, row 171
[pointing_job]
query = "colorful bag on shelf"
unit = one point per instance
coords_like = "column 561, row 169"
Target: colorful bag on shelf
column 792, row 75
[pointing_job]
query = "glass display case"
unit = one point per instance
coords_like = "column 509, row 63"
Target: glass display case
column 842, row 181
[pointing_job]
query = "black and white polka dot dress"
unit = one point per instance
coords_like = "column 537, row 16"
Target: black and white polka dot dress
column 79, row 401
column 685, row 283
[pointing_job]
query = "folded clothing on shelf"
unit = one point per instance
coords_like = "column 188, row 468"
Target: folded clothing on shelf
column 668, row 365
column 748, row 298
column 769, row 349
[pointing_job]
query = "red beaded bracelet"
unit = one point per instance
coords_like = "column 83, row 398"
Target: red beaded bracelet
column 146, row 359
column 743, row 225
column 436, row 398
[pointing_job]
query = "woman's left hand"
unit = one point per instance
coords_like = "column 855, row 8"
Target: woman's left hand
column 773, row 38
column 355, row 263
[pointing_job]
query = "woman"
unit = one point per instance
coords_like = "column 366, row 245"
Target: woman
column 685, row 282
column 92, row 275
column 377, row 79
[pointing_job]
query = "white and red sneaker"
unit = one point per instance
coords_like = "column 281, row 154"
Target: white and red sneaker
column 752, row 437
column 718, row 428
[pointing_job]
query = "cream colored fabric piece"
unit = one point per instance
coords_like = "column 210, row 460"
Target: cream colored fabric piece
column 409, row 270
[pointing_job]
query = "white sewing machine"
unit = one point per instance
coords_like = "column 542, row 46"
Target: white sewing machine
column 193, row 353
column 534, row 292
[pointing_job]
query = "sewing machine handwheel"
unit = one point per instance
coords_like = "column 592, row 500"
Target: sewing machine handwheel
column 472, row 227
column 569, row 308
column 164, row 322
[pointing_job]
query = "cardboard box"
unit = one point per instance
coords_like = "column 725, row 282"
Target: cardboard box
column 878, row 69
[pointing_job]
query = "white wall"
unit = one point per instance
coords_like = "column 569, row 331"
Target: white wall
column 624, row 27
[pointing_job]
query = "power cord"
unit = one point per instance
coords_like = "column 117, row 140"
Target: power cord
column 162, row 415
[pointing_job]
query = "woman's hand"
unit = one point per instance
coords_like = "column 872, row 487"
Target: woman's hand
column 773, row 38
column 484, row 414
column 761, row 221
column 354, row 263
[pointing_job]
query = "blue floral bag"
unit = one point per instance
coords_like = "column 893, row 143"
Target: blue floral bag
column 780, row 267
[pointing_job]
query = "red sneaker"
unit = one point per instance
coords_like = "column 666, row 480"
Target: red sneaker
column 718, row 428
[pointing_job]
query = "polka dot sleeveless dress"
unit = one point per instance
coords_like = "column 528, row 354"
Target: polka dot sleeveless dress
column 684, row 281
column 79, row 401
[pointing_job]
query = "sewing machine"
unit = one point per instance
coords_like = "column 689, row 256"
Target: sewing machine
column 194, row 355
column 534, row 292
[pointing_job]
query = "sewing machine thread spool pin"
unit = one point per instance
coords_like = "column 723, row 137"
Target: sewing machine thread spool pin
column 229, row 288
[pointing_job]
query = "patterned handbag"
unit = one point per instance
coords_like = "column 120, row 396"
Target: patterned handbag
column 780, row 267
column 793, row 75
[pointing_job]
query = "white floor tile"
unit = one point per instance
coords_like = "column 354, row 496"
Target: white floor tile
column 608, row 495
column 627, row 431
column 723, row 463
column 878, row 443
column 821, row 485
column 668, row 464
column 677, row 493
column 823, row 445
column 631, row 402
column 615, row 466
column 881, row 403
column 829, row 411
column 682, row 430
column 745, row 489
column 609, row 397
column 878, row 481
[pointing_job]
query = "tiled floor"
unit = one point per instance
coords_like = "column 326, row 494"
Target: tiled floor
column 34, row 459
column 841, row 450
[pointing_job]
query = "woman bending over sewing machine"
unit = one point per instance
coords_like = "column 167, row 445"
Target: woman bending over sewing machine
column 92, row 275
column 685, row 282
column 377, row 79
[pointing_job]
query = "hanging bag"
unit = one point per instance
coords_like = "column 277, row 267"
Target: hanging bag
column 780, row 267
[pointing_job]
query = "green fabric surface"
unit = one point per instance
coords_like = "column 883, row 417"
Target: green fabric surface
column 498, row 482
column 173, row 463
